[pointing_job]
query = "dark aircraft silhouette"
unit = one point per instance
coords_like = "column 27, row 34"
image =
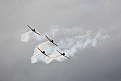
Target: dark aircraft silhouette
column 63, row 54
column 51, row 40
column 33, row 30
column 43, row 52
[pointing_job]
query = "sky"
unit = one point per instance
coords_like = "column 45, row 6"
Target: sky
column 94, row 63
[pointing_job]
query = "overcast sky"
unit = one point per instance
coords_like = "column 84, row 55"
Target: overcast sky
column 99, row 63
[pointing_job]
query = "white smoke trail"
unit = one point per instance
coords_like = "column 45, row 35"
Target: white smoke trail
column 71, row 41
column 26, row 36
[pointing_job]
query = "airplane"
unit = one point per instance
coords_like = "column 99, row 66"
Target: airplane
column 63, row 54
column 50, row 40
column 33, row 30
column 43, row 52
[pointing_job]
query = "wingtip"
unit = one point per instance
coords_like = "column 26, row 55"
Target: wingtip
column 68, row 58
column 37, row 47
column 57, row 45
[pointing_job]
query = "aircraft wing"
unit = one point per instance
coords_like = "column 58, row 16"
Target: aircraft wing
column 39, row 49
column 29, row 27
column 37, row 33
column 46, row 55
column 55, row 44
column 67, row 57
column 48, row 38
column 59, row 52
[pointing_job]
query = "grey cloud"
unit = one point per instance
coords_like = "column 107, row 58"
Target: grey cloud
column 100, row 63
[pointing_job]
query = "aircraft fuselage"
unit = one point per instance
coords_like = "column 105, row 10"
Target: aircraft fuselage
column 51, row 41
column 43, row 52
column 33, row 30
column 63, row 54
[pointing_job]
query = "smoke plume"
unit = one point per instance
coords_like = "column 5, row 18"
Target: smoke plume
column 26, row 36
column 70, row 40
